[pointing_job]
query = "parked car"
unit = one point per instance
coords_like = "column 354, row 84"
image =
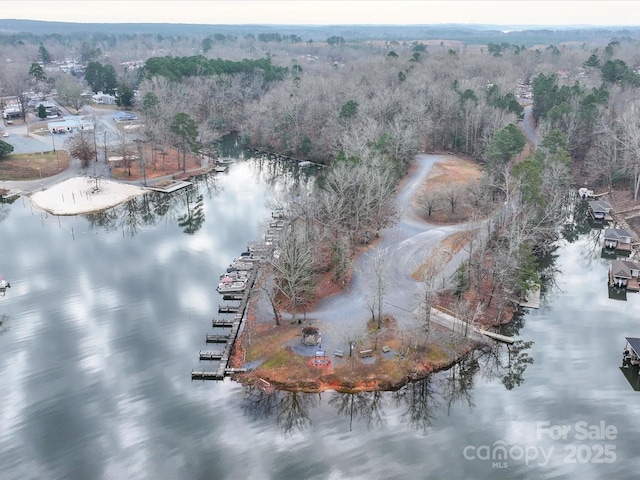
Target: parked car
column 5, row 134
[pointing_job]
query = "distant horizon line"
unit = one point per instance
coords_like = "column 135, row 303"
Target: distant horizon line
column 466, row 24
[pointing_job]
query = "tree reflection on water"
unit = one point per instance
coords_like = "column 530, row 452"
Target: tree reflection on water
column 184, row 207
column 418, row 402
column 291, row 409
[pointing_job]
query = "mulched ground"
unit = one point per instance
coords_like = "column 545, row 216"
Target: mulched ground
column 158, row 165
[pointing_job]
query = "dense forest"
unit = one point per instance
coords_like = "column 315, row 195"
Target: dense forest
column 365, row 105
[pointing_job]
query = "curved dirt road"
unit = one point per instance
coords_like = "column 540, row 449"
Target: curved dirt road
column 404, row 246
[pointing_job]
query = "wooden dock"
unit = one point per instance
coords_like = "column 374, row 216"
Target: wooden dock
column 238, row 309
column 532, row 298
column 496, row 336
column 221, row 323
column 212, row 338
column 229, row 308
column 229, row 339
column 171, row 187
column 209, row 355
column 234, row 297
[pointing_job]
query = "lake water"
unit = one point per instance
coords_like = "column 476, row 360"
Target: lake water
column 106, row 316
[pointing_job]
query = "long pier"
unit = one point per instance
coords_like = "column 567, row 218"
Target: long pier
column 228, row 339
column 249, row 262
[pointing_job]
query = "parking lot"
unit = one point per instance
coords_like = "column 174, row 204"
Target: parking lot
column 27, row 144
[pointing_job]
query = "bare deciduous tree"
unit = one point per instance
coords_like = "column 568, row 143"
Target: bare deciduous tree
column 81, row 147
column 431, row 199
column 293, row 267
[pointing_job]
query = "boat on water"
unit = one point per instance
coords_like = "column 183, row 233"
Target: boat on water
column 249, row 257
column 234, row 275
column 232, row 286
column 3, row 286
column 225, row 160
column 241, row 265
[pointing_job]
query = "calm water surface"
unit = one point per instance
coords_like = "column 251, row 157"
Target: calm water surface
column 106, row 316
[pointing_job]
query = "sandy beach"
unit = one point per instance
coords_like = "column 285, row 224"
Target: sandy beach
column 79, row 195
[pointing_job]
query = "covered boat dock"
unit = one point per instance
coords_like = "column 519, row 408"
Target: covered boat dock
column 631, row 362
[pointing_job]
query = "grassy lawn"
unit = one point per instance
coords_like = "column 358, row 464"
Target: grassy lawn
column 30, row 166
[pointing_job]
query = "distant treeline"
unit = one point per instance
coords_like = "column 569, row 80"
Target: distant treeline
column 177, row 68
column 31, row 31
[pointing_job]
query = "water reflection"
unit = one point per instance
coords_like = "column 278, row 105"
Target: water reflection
column 4, row 323
column 290, row 409
column 5, row 207
column 616, row 293
column 283, row 176
column 577, row 223
column 184, row 206
column 192, row 221
column 366, row 406
column 632, row 374
column 508, row 362
column 418, row 401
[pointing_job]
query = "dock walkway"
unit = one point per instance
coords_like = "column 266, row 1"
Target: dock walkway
column 532, row 299
column 240, row 300
column 228, row 339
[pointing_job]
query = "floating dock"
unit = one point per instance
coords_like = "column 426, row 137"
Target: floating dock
column 496, row 336
column 235, row 297
column 221, row 323
column 210, row 338
column 208, row 355
column 171, row 187
column 532, row 298
column 229, row 308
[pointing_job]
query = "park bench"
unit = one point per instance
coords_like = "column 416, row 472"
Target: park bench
column 366, row 353
column 339, row 353
column 386, row 349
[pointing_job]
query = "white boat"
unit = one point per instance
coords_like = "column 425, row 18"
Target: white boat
column 249, row 257
column 235, row 275
column 3, row 286
column 241, row 265
column 225, row 160
column 231, row 287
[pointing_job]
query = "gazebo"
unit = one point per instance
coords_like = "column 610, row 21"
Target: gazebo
column 310, row 336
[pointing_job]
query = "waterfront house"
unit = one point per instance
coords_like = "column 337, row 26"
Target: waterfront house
column 618, row 239
column 624, row 274
column 600, row 210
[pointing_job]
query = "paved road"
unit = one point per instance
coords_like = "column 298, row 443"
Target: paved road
column 106, row 131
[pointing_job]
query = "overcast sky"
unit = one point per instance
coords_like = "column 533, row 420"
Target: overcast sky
column 329, row 12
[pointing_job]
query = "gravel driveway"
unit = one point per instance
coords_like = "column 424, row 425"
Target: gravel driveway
column 404, row 246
